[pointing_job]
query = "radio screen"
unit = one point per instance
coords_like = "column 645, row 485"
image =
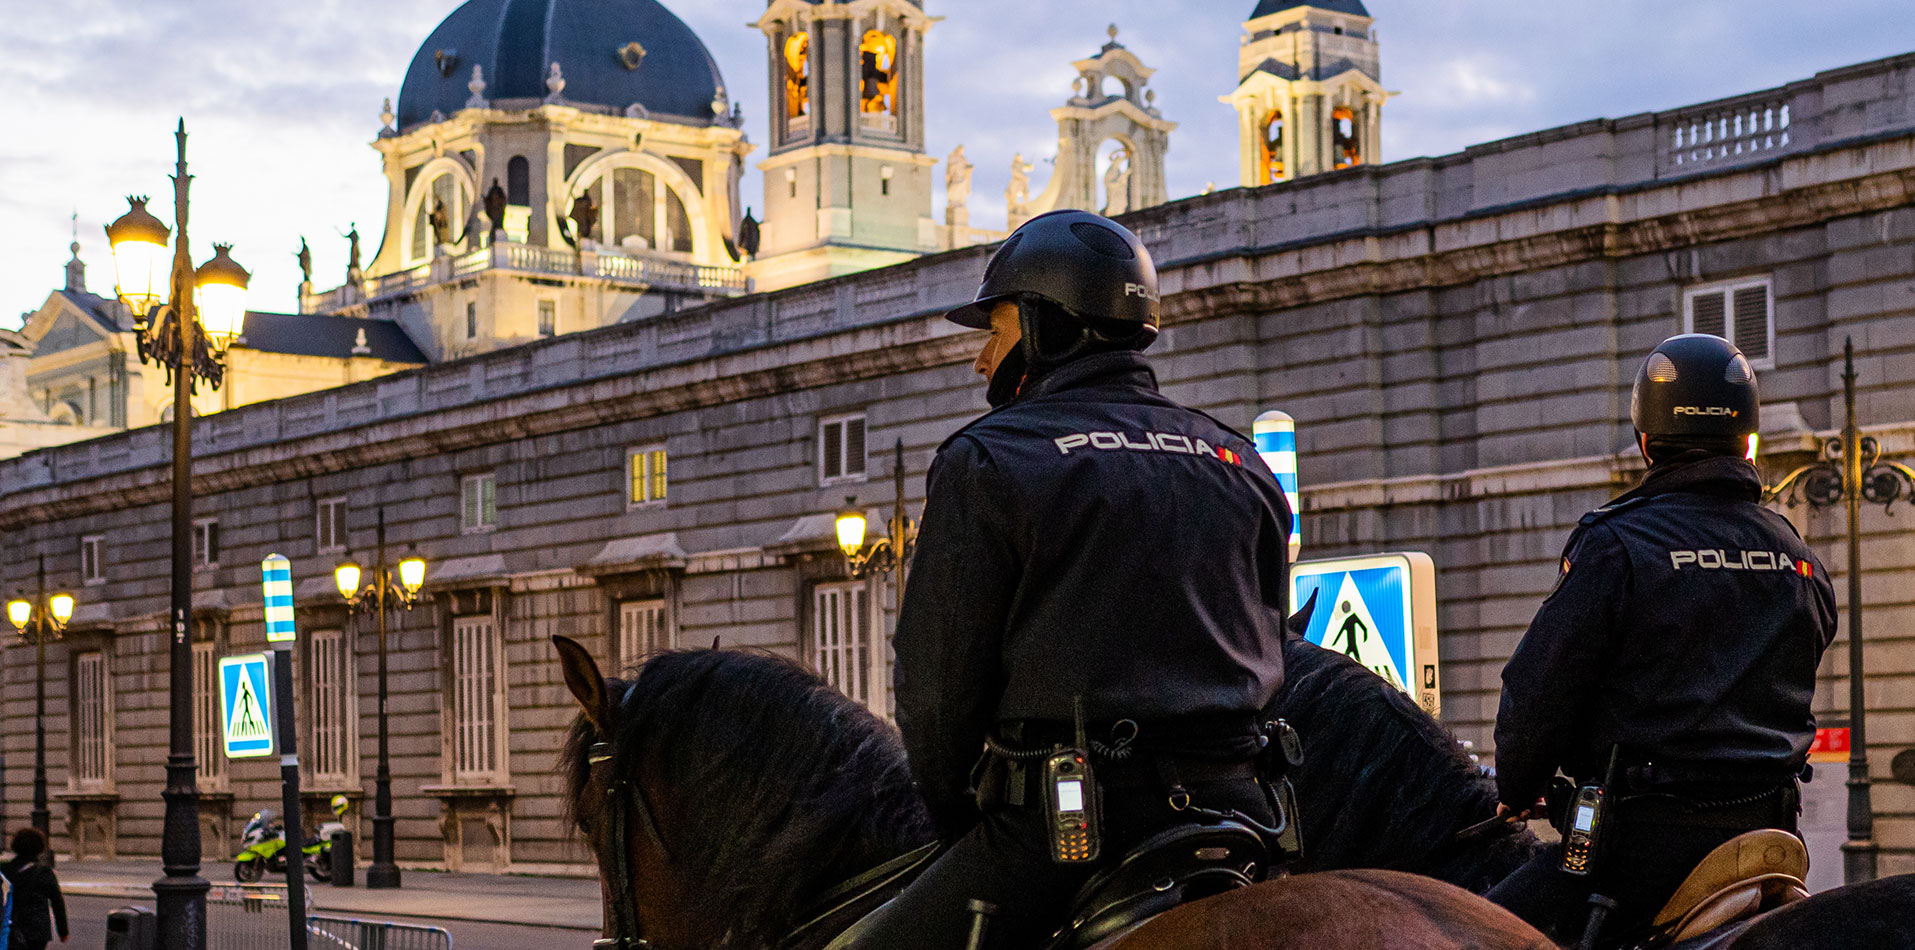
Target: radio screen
column 1585, row 817
column 1070, row 795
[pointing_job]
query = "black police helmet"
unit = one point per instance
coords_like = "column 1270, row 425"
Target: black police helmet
column 1086, row 264
column 1695, row 386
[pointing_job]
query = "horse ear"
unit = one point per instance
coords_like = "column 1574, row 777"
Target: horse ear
column 585, row 681
column 1299, row 622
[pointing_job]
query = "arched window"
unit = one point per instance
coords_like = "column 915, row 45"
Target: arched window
column 1270, row 158
column 1344, row 148
column 797, row 75
column 878, row 73
column 644, row 213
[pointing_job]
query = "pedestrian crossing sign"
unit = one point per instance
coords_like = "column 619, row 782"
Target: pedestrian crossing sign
column 1379, row 610
column 245, row 705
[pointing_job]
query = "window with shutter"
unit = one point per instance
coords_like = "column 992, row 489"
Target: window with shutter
column 334, row 717
column 92, row 568
column 1741, row 311
column 641, row 631
column 841, row 449
column 478, row 503
column 206, row 543
column 645, row 476
column 330, row 525
column 92, row 757
column 840, row 638
column 476, row 715
column 208, row 751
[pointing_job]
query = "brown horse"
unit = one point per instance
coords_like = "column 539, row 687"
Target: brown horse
column 727, row 794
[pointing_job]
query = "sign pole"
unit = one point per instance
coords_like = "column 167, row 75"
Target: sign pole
column 277, row 573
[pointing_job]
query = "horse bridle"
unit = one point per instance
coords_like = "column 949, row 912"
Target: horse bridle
column 621, row 796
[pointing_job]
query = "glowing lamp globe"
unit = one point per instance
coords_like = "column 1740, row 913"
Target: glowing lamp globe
column 346, row 575
column 20, row 613
column 221, row 296
column 851, row 523
column 412, row 574
column 61, row 606
column 140, row 258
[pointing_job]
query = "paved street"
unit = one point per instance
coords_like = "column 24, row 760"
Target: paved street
column 481, row 911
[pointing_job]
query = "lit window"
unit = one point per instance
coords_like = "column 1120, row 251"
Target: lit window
column 478, row 503
column 206, row 543
column 330, row 528
column 841, row 449
column 1740, row 311
column 92, row 566
column 645, row 481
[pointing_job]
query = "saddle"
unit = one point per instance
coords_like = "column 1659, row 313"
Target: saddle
column 1747, row 875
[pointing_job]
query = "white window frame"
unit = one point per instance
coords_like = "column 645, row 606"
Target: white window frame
column 639, row 463
column 843, row 618
column 91, row 765
column 644, row 628
column 333, row 701
column 92, row 559
column 474, row 515
column 478, row 701
column 844, row 474
column 1728, row 290
column 209, row 749
column 205, row 544
column 329, row 525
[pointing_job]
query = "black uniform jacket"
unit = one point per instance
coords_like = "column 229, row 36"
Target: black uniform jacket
column 35, row 890
column 1686, row 627
column 1090, row 537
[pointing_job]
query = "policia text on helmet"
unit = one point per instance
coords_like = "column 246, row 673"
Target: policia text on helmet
column 1695, row 392
column 1065, row 285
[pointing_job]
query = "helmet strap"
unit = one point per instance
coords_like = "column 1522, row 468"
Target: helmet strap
column 1008, row 380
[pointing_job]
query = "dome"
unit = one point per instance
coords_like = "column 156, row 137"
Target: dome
column 611, row 53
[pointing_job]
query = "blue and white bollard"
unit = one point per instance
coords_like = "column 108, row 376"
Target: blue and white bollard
column 1276, row 436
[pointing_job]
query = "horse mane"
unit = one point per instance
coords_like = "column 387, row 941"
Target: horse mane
column 1383, row 784
column 775, row 787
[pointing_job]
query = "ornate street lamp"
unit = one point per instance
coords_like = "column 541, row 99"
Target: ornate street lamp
column 887, row 553
column 37, row 621
column 412, row 575
column 1851, row 470
column 183, row 323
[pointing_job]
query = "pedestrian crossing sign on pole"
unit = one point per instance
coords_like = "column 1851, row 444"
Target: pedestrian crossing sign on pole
column 245, row 705
column 1379, row 610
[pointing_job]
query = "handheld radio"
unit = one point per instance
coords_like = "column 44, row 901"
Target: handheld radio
column 1585, row 821
column 1070, row 800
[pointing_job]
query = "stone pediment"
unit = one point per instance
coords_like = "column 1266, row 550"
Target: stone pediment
column 66, row 329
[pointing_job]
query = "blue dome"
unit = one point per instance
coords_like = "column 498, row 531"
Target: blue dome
column 668, row 72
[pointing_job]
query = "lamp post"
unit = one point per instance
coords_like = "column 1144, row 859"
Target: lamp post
column 185, row 328
column 885, row 554
column 1850, row 472
column 412, row 575
column 46, row 618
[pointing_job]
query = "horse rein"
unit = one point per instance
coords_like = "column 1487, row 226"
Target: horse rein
column 622, row 795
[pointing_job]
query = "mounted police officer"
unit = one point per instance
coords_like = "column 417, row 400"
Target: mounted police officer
column 1680, row 643
column 1094, row 559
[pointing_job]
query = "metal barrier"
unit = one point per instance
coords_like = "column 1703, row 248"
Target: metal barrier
column 342, row 933
column 254, row 917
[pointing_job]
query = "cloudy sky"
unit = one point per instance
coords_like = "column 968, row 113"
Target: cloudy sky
column 281, row 98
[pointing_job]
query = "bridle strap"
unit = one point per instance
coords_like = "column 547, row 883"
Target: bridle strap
column 621, row 795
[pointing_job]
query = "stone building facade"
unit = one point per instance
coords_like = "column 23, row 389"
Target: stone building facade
column 1456, row 337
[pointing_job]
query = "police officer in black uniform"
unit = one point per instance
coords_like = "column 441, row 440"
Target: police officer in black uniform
column 1087, row 543
column 1683, row 636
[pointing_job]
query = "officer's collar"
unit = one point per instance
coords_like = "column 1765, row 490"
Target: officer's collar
column 1122, row 366
column 1700, row 473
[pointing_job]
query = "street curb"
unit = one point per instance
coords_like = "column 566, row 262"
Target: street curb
column 126, row 892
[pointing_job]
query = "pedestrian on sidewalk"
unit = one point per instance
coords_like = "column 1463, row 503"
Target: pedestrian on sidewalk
column 36, row 891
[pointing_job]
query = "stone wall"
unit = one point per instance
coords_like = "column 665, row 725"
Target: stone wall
column 1456, row 337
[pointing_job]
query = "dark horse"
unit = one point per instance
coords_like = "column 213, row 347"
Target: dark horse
column 758, row 789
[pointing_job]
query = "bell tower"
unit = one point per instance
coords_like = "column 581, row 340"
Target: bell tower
column 1309, row 98
column 847, row 180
